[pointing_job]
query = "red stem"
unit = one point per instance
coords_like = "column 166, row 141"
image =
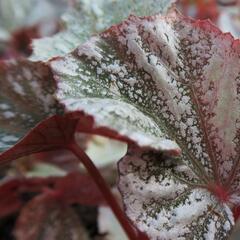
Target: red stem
column 100, row 182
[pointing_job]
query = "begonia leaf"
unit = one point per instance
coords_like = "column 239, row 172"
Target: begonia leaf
column 26, row 97
column 12, row 192
column 163, row 83
column 44, row 218
column 73, row 188
column 78, row 188
column 86, row 18
column 173, row 78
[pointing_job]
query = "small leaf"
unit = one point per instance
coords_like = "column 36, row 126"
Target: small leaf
column 89, row 17
column 45, row 219
column 12, row 193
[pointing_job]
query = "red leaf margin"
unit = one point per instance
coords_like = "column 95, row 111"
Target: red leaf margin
column 57, row 132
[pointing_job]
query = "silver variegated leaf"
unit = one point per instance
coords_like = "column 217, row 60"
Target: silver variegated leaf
column 86, row 18
column 166, row 78
column 26, row 98
column 165, row 199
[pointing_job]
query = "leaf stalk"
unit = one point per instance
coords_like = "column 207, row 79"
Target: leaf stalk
column 102, row 185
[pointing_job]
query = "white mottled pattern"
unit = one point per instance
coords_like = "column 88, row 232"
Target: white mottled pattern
column 183, row 77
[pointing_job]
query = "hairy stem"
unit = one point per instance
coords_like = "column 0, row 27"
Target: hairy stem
column 102, row 185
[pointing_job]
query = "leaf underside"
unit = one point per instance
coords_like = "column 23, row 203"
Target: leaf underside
column 165, row 78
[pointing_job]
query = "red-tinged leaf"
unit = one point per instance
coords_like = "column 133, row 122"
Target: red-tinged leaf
column 12, row 193
column 77, row 188
column 9, row 204
column 25, row 80
column 200, row 9
column 236, row 212
column 26, row 98
column 57, row 132
column 44, row 218
column 165, row 199
column 172, row 78
column 19, row 44
column 54, row 133
column 71, row 189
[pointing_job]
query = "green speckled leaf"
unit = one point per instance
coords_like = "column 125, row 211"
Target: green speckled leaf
column 157, row 80
column 86, row 18
column 26, row 98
